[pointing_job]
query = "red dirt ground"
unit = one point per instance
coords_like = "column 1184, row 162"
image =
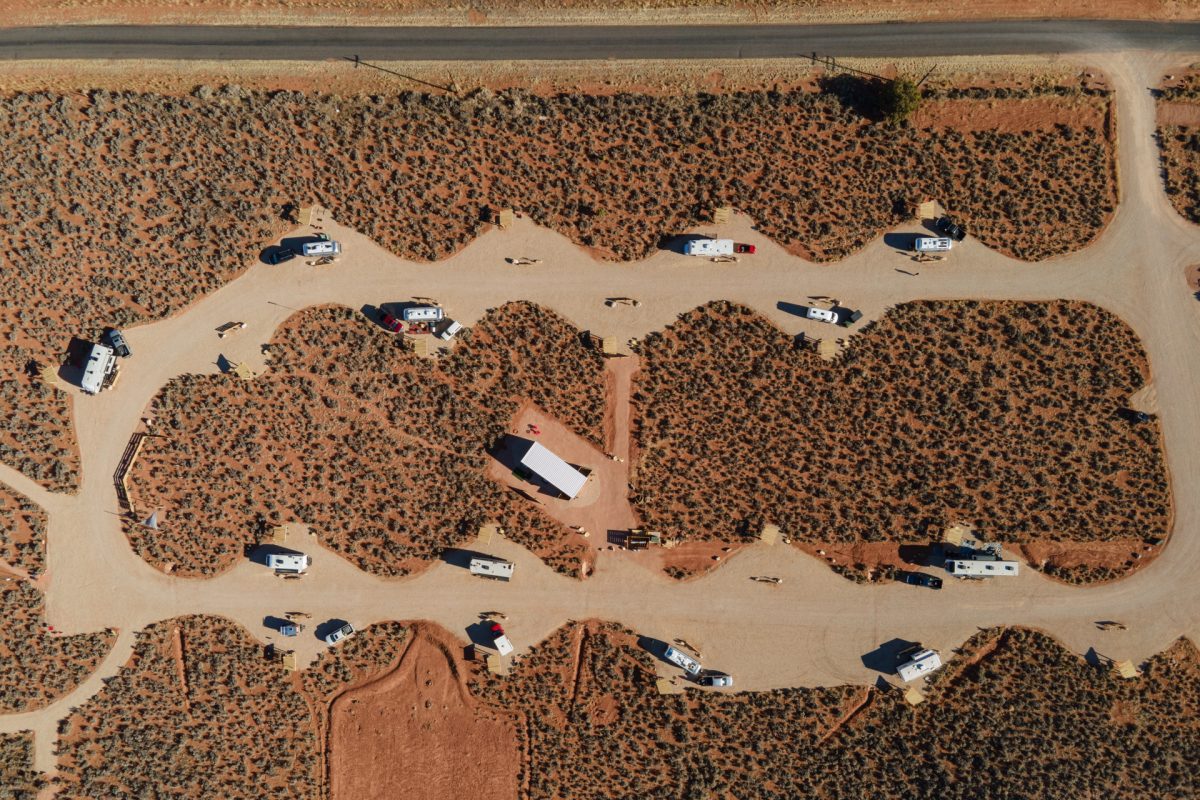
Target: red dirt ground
column 417, row 732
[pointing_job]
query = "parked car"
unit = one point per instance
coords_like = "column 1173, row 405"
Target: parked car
column 391, row 323
column 447, row 329
column 117, row 342
column 923, row 579
column 748, row 249
column 822, row 315
column 280, row 255
column 341, row 633
column 716, row 679
column 951, row 228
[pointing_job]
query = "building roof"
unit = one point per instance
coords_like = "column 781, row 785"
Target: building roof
column 554, row 470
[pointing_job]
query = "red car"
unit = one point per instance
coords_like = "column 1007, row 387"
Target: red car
column 391, row 323
column 743, row 248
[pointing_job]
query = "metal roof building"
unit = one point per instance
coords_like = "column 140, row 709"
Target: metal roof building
column 554, row 470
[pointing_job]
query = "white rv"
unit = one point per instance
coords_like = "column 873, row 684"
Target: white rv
column 102, row 360
column 708, row 247
column 293, row 563
column 690, row 665
column 323, row 247
column 488, row 567
column 980, row 568
column 932, row 244
column 922, row 663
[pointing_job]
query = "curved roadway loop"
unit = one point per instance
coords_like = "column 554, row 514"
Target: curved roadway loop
column 812, row 629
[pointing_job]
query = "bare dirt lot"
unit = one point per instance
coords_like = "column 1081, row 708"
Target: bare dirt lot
column 998, row 415
column 1179, row 136
column 418, row 732
column 381, row 452
column 194, row 185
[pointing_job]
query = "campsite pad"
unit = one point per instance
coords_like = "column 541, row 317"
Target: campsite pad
column 668, row 686
column 769, row 535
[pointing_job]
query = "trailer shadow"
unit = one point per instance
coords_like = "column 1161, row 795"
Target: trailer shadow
column 885, row 657
column 257, row 554
column 675, row 243
column 459, row 557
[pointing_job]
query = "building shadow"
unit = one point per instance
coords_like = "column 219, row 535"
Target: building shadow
column 888, row 655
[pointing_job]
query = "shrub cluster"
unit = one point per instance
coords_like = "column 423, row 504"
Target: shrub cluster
column 997, row 724
column 22, row 532
column 18, row 778
column 381, row 452
column 998, row 414
column 117, row 207
column 209, row 715
column 44, row 666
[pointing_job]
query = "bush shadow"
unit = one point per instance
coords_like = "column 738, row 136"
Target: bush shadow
column 857, row 93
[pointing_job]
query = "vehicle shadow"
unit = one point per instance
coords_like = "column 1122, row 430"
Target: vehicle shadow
column 885, row 658
column 480, row 634
column 654, row 647
column 257, row 554
column 901, row 241
column 793, row 308
column 674, row 243
column 458, row 557
column 328, row 627
column 275, row 623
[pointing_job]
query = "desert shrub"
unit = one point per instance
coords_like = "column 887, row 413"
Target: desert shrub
column 22, row 532
column 999, row 723
column 998, row 414
column 381, row 452
column 18, row 778
column 50, row 664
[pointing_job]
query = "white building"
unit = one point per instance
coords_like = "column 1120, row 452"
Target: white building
column 921, row 664
column 100, row 364
column 554, row 471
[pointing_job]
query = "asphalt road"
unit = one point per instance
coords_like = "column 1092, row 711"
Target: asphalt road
column 595, row 42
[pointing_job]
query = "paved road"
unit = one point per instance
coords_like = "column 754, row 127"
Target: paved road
column 813, row 629
column 595, row 42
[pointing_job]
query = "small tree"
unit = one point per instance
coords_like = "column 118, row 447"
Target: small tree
column 901, row 97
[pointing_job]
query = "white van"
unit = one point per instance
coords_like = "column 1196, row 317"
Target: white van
column 932, row 244
column 822, row 315
column 289, row 562
column 422, row 314
column 448, row 329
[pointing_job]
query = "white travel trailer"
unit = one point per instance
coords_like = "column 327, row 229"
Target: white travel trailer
column 921, row 664
column 488, row 567
column 680, row 659
column 980, row 568
column 102, row 360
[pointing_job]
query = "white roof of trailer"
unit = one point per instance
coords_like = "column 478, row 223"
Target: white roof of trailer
column 554, row 470
column 99, row 364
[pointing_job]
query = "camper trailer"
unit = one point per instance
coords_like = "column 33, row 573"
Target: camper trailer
column 921, row 664
column 680, row 659
column 980, row 568
column 101, row 362
column 488, row 567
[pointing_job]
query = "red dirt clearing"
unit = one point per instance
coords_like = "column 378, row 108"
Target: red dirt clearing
column 417, row 732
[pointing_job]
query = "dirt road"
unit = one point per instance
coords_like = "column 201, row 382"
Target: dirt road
column 812, row 629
